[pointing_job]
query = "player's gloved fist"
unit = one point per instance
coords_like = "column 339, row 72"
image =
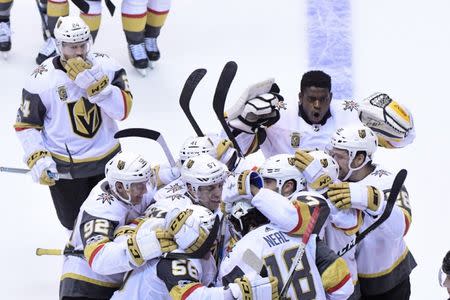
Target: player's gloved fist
column 345, row 195
column 76, row 65
column 165, row 174
column 261, row 288
column 147, row 243
column 257, row 106
column 42, row 167
column 312, row 169
column 238, row 186
column 95, row 82
column 187, row 232
column 386, row 117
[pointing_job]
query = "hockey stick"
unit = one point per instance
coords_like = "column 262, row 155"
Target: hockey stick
column 148, row 134
column 45, row 28
column 220, row 96
column 45, row 251
column 52, row 175
column 186, row 95
column 393, row 194
column 301, row 250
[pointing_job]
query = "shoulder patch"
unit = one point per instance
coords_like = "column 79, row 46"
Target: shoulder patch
column 41, row 69
column 350, row 105
column 380, row 173
column 105, row 197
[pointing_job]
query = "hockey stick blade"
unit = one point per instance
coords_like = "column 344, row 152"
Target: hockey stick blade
column 186, row 94
column 220, row 96
column 300, row 252
column 390, row 202
column 148, row 134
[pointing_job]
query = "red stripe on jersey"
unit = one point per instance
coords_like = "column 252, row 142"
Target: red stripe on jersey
column 157, row 12
column 134, row 16
column 300, row 220
column 91, row 259
column 341, row 284
column 406, row 224
column 190, row 291
column 20, row 128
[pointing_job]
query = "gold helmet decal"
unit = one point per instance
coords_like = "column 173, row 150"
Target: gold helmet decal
column 189, row 164
column 291, row 161
column 362, row 133
column 120, row 164
column 324, row 162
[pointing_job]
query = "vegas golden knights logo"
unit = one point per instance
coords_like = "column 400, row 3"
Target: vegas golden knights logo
column 62, row 93
column 362, row 133
column 295, row 139
column 291, row 161
column 189, row 164
column 120, row 164
column 85, row 117
column 324, row 162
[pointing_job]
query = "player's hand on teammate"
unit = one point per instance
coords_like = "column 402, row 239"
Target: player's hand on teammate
column 346, row 195
column 312, row 169
column 255, row 288
column 41, row 164
column 242, row 186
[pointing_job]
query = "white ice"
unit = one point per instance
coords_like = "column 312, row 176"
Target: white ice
column 400, row 47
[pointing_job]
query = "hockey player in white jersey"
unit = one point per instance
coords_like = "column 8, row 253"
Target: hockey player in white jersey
column 67, row 118
column 383, row 259
column 95, row 270
column 321, row 274
column 258, row 120
column 220, row 149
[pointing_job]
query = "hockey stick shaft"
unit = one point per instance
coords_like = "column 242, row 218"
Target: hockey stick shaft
column 52, row 175
column 220, row 96
column 395, row 190
column 300, row 252
column 44, row 22
column 148, row 134
column 47, row 251
column 186, row 96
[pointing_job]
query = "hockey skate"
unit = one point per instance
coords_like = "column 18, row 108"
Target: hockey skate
column 5, row 39
column 151, row 47
column 47, row 50
column 138, row 58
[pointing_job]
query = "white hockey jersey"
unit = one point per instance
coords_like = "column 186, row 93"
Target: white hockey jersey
column 55, row 113
column 97, row 268
column 383, row 258
column 320, row 275
column 292, row 132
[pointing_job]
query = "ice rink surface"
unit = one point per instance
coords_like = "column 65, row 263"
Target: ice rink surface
column 399, row 47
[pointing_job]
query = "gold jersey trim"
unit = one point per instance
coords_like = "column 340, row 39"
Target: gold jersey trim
column 89, row 159
column 89, row 280
column 389, row 270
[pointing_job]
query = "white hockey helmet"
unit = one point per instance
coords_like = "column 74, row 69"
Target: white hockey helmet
column 221, row 149
column 197, row 145
column 203, row 170
column 71, row 30
column 281, row 168
column 127, row 168
column 355, row 139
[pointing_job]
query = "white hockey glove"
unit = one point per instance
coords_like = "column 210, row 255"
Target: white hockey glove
column 258, row 106
column 237, row 186
column 165, row 174
column 147, row 243
column 95, row 82
column 345, row 195
column 312, row 169
column 186, row 230
column 387, row 118
column 41, row 163
column 260, row 288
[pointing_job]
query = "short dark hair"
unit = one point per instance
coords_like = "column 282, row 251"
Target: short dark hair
column 315, row 78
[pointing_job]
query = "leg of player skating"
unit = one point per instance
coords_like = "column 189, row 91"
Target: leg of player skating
column 93, row 17
column 55, row 9
column 5, row 27
column 157, row 11
column 133, row 22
